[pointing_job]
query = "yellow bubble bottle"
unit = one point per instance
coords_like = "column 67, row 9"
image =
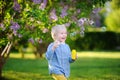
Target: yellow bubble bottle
column 74, row 54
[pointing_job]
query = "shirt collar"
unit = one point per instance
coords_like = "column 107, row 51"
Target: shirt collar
column 62, row 43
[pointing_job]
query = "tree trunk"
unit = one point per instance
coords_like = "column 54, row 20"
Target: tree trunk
column 0, row 73
column 0, row 67
column 40, row 50
column 4, row 55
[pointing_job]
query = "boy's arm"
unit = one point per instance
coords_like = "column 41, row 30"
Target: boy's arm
column 51, row 49
column 49, row 52
column 73, row 55
column 71, row 60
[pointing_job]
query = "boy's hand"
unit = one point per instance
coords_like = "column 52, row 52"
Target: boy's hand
column 55, row 45
column 74, row 54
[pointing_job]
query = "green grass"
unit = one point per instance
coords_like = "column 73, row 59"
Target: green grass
column 85, row 68
column 26, row 69
column 96, row 69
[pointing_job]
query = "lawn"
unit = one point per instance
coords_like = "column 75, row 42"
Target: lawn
column 88, row 66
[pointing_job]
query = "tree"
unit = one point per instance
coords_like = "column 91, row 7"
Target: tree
column 115, row 4
column 113, row 21
column 111, row 13
column 31, row 20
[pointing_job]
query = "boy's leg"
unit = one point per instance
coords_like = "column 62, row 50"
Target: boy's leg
column 59, row 77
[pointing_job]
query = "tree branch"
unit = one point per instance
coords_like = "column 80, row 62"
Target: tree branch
column 3, row 52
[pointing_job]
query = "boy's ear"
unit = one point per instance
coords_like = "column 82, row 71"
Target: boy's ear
column 55, row 36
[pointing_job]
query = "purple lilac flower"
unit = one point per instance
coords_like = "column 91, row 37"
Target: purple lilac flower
column 53, row 15
column 85, row 19
column 97, row 23
column 95, row 17
column 15, row 26
column 80, row 22
column 2, row 26
column 64, row 12
column 82, row 28
column 78, row 11
column 67, row 24
column 45, row 30
column 37, row 1
column 31, row 40
column 16, row 6
column 43, row 5
column 15, row 33
column 96, row 10
column 40, row 41
column 19, row 35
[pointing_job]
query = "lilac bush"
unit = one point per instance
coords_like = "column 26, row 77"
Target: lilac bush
column 37, row 1
column 53, row 15
column 34, row 18
column 16, row 6
column 15, row 26
column 64, row 12
column 2, row 27
column 43, row 4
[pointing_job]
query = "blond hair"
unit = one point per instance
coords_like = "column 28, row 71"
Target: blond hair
column 56, row 29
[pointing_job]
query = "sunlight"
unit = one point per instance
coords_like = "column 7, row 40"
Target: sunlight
column 82, row 54
column 26, row 56
column 99, row 54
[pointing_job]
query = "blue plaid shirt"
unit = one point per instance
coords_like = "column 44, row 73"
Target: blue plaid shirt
column 59, row 60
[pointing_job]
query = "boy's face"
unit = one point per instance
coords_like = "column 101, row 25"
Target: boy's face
column 61, row 35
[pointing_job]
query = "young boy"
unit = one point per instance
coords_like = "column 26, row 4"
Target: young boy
column 59, row 54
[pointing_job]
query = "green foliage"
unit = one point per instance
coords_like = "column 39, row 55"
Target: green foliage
column 3, row 39
column 33, row 20
column 118, row 38
column 115, row 4
column 111, row 13
column 113, row 21
column 97, row 41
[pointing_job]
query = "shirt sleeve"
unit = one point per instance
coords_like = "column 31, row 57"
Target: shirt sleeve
column 49, row 52
column 71, row 60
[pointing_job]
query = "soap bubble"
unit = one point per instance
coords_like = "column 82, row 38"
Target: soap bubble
column 82, row 34
column 73, row 35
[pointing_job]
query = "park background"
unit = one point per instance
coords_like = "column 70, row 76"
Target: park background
column 93, row 30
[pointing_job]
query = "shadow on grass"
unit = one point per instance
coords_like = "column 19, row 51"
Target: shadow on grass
column 4, row 78
column 24, row 76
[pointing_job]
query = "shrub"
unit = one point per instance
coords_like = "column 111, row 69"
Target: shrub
column 97, row 41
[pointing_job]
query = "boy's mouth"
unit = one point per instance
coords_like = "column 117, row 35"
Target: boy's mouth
column 63, row 38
